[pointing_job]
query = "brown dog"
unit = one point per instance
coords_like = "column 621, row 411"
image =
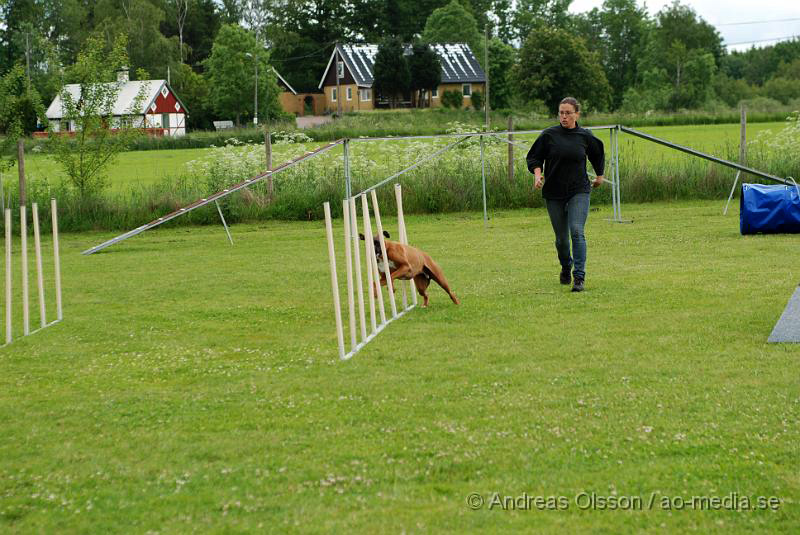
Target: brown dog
column 406, row 263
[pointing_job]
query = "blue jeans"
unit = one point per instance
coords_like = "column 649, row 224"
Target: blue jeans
column 568, row 218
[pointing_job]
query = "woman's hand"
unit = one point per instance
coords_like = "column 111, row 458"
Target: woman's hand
column 538, row 181
column 599, row 179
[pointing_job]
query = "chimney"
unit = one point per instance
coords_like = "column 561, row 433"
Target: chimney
column 122, row 74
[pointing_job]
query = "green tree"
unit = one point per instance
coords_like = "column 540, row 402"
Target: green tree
column 231, row 71
column 91, row 108
column 425, row 70
column 20, row 106
column 302, row 37
column 624, row 32
column 789, row 69
column 679, row 45
column 454, row 24
column 392, row 77
column 782, row 89
column 530, row 15
column 193, row 90
column 141, row 22
column 501, row 63
column 730, row 90
column 554, row 64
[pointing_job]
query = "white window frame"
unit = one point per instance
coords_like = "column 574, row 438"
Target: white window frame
column 466, row 90
column 365, row 95
column 333, row 94
column 349, row 93
column 435, row 92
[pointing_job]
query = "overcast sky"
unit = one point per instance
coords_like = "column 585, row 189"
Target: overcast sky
column 722, row 14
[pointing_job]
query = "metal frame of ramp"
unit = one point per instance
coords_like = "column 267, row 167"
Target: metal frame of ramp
column 714, row 159
column 213, row 198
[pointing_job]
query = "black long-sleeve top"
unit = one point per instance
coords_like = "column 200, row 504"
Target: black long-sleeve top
column 561, row 153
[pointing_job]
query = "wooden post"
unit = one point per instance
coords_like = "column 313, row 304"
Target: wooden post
column 510, row 149
column 21, row 169
column 268, row 149
column 743, row 135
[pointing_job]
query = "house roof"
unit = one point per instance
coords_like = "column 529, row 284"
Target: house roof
column 458, row 62
column 282, row 79
column 125, row 98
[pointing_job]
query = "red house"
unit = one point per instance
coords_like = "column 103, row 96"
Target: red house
column 161, row 111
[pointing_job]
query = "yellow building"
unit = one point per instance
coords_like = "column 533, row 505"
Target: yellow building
column 298, row 104
column 460, row 72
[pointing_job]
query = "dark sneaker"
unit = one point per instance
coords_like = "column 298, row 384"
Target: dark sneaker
column 578, row 286
column 565, row 276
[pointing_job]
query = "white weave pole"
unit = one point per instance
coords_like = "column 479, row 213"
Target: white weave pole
column 372, row 268
column 387, row 273
column 37, row 247
column 56, row 258
column 359, row 282
column 334, row 281
column 23, row 232
column 348, row 258
column 8, row 276
column 401, row 226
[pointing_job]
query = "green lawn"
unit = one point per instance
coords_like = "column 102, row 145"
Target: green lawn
column 194, row 386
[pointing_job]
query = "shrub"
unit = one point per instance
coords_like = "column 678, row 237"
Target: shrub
column 477, row 100
column 452, row 99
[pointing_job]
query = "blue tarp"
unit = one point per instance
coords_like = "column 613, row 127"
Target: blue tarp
column 769, row 209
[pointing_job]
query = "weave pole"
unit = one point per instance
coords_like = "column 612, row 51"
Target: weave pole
column 372, row 266
column 23, row 232
column 359, row 281
column 8, row 276
column 401, row 227
column 386, row 271
column 334, row 281
column 37, row 247
column 348, row 257
column 56, row 258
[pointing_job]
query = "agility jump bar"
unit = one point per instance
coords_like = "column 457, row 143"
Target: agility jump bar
column 704, row 155
column 213, row 198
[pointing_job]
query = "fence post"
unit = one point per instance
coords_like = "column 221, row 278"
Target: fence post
column 268, row 149
column 510, row 149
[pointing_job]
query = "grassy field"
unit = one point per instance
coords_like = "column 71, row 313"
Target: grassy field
column 148, row 167
column 194, row 386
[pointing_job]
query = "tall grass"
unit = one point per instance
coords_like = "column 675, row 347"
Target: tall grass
column 414, row 122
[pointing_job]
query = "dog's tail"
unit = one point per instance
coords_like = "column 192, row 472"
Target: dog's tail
column 432, row 270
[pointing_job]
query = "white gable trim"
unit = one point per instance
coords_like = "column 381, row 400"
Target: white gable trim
column 325, row 73
column 155, row 96
column 284, row 80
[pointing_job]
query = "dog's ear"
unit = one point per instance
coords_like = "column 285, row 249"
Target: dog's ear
column 386, row 234
column 361, row 236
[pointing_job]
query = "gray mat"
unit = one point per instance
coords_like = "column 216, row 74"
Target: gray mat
column 788, row 327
